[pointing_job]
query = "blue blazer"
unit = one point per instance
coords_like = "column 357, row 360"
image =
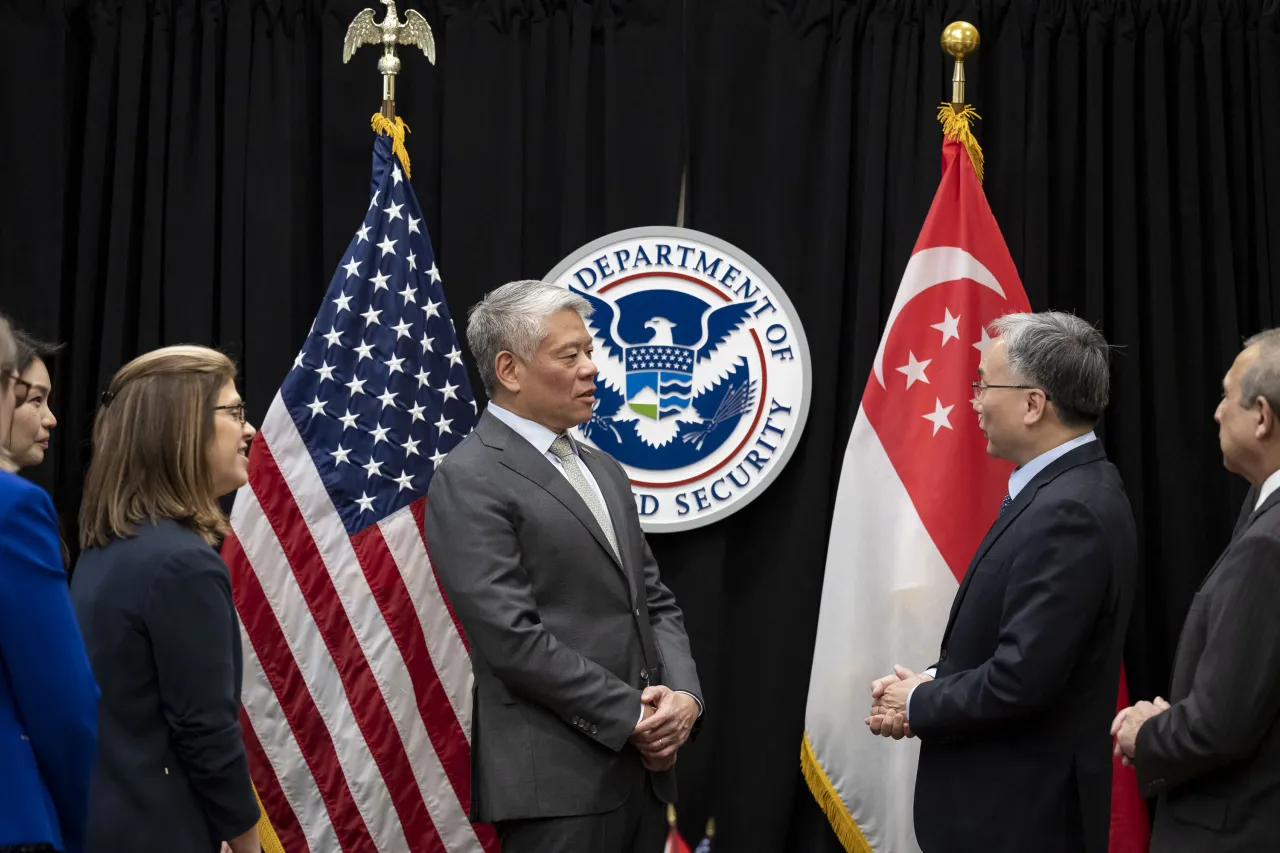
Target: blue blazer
column 48, row 698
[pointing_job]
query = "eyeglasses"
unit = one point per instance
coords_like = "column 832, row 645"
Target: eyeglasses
column 21, row 388
column 979, row 387
column 236, row 411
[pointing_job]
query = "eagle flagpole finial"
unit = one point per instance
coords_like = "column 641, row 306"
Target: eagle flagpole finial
column 390, row 32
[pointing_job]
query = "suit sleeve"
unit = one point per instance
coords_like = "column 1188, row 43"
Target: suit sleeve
column 476, row 555
column 665, row 617
column 1056, row 587
column 48, row 667
column 191, row 620
column 1235, row 694
column 678, row 670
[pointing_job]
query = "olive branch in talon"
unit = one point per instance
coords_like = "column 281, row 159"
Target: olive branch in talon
column 599, row 422
column 737, row 400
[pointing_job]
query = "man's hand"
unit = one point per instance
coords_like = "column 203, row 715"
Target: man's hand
column 894, row 697
column 659, row 735
column 1124, row 728
column 880, row 685
column 657, row 765
column 889, row 703
column 889, row 725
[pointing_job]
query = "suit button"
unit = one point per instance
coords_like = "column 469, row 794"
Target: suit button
column 637, row 612
column 593, row 729
column 644, row 673
column 943, row 656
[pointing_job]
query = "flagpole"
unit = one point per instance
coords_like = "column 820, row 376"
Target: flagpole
column 959, row 40
column 389, row 32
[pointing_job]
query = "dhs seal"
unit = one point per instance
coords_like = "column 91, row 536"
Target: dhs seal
column 704, row 375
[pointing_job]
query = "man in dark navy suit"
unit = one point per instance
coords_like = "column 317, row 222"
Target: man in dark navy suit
column 1013, row 717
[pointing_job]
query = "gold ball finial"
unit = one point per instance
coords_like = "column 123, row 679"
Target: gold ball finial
column 960, row 39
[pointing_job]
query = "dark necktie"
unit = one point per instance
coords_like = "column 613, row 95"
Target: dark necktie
column 1004, row 505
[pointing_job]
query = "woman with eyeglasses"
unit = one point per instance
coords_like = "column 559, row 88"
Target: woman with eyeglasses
column 48, row 699
column 154, row 601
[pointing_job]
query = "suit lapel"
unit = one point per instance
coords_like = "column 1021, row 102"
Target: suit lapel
column 521, row 457
column 1246, row 512
column 1091, row 452
column 1271, row 501
column 1242, row 526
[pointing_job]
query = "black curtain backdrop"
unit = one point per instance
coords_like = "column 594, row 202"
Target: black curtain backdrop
column 190, row 171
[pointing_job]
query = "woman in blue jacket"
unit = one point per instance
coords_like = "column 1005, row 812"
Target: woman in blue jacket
column 48, row 698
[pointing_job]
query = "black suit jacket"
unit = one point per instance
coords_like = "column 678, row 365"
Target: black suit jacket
column 1214, row 757
column 563, row 634
column 1015, row 754
column 164, row 641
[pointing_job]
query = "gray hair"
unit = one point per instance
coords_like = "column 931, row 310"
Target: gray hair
column 1065, row 356
column 1262, row 379
column 513, row 318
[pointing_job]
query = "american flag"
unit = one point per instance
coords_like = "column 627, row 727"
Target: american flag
column 356, row 703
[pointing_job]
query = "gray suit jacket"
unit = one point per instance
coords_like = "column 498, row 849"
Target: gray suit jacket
column 1214, row 757
column 563, row 637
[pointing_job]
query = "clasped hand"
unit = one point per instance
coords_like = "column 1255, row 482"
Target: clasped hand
column 889, row 696
column 668, row 718
column 1124, row 728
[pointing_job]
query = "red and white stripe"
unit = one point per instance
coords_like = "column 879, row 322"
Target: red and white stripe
column 357, row 683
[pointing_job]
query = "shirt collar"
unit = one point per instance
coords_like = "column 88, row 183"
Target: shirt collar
column 1269, row 485
column 531, row 431
column 1023, row 475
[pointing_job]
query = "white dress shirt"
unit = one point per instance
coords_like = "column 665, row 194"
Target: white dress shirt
column 541, row 438
column 1269, row 485
column 1024, row 474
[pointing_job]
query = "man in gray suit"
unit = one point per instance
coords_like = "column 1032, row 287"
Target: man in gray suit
column 585, row 687
column 1212, row 754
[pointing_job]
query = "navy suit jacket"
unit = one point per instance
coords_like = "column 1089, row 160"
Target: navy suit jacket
column 1015, row 754
column 162, row 633
column 48, row 699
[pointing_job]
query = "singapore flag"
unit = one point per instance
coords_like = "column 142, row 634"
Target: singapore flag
column 917, row 494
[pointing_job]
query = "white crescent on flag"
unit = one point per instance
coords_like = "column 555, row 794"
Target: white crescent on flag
column 929, row 268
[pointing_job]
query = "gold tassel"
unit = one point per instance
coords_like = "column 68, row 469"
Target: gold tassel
column 851, row 837
column 266, row 832
column 396, row 130
column 958, row 127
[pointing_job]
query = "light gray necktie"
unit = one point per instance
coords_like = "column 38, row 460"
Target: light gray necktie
column 562, row 447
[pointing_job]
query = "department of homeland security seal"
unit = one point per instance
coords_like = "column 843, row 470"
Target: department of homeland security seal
column 704, row 375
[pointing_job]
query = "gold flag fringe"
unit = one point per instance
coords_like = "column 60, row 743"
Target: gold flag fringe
column 266, row 832
column 958, row 127
column 846, row 829
column 396, row 130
